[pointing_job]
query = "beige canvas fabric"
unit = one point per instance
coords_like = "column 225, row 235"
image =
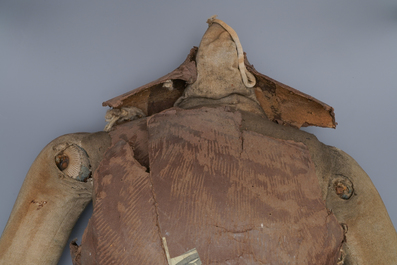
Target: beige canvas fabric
column 218, row 70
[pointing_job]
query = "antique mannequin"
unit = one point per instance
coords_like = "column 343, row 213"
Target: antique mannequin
column 340, row 181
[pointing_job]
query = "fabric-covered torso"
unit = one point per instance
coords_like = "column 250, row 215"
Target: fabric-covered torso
column 195, row 179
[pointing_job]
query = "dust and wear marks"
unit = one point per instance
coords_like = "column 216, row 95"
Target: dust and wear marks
column 247, row 77
column 220, row 69
column 213, row 195
column 40, row 204
column 191, row 257
column 123, row 114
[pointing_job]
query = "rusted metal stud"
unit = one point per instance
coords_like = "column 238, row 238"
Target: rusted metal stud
column 343, row 187
column 73, row 162
column 62, row 161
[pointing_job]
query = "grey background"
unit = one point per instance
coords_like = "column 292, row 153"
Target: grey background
column 59, row 60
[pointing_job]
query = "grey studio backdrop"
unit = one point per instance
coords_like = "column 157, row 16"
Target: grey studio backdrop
column 59, row 60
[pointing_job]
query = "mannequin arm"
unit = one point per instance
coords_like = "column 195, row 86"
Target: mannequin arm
column 56, row 190
column 352, row 197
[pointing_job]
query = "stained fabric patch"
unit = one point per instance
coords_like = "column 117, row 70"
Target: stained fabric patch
column 236, row 196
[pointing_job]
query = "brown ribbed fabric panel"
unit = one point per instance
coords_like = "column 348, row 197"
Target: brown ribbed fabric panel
column 236, row 196
column 123, row 227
